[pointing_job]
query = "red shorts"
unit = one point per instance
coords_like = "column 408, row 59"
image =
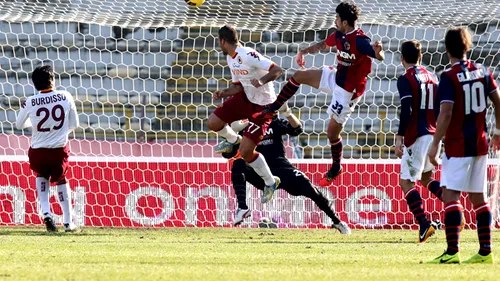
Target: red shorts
column 238, row 107
column 49, row 162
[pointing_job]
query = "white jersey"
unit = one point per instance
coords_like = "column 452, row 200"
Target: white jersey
column 247, row 64
column 52, row 115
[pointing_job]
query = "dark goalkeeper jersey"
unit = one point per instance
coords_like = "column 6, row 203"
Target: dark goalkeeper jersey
column 272, row 146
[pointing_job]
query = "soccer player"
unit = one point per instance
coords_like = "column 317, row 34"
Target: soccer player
column 53, row 115
column 462, row 92
column 252, row 89
column 294, row 181
column 417, row 124
column 347, row 83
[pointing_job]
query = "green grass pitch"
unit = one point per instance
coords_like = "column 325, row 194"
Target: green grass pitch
column 232, row 254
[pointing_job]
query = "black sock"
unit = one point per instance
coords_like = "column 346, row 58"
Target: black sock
column 483, row 221
column 435, row 188
column 414, row 201
column 324, row 204
column 240, row 188
column 452, row 222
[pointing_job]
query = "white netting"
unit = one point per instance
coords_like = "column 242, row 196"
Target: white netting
column 250, row 14
column 142, row 74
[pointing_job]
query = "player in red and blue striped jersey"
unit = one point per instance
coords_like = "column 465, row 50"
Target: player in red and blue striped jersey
column 463, row 91
column 417, row 88
column 347, row 83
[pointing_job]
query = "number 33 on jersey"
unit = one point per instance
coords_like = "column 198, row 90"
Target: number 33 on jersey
column 52, row 114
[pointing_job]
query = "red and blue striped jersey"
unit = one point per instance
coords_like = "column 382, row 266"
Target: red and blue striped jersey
column 353, row 60
column 420, row 87
column 467, row 85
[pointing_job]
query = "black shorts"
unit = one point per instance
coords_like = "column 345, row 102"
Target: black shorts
column 293, row 180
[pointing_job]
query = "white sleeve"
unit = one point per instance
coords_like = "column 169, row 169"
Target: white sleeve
column 23, row 117
column 73, row 115
column 254, row 59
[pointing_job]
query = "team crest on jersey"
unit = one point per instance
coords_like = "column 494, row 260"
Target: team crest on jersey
column 347, row 46
column 240, row 61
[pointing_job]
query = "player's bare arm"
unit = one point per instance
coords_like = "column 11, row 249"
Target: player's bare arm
column 442, row 124
column 272, row 75
column 404, row 118
column 292, row 119
column 495, row 99
column 379, row 53
column 399, row 146
column 312, row 49
column 231, row 91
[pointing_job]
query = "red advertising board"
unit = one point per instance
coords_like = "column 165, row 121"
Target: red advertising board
column 133, row 194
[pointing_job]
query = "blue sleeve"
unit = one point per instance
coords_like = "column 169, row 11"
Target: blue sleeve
column 404, row 87
column 363, row 44
column 446, row 89
column 404, row 116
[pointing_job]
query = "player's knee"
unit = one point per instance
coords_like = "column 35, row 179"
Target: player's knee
column 214, row 123
column 248, row 153
column 452, row 195
column 406, row 185
column 426, row 178
column 477, row 199
column 299, row 76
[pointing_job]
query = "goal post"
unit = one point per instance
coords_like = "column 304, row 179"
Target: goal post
column 142, row 74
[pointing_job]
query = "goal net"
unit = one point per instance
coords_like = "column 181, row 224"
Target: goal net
column 142, row 74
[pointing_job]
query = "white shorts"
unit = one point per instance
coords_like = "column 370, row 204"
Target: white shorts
column 466, row 174
column 341, row 106
column 415, row 161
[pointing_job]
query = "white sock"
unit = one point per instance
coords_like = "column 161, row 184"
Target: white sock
column 64, row 196
column 43, row 188
column 262, row 169
column 228, row 133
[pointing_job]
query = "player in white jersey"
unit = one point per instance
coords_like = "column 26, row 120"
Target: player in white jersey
column 252, row 89
column 52, row 114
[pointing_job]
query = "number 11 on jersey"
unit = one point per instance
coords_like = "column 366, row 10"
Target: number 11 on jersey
column 424, row 89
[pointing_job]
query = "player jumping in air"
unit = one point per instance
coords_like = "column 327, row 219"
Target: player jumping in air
column 53, row 116
column 463, row 91
column 294, row 181
column 417, row 88
column 252, row 89
column 347, row 83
